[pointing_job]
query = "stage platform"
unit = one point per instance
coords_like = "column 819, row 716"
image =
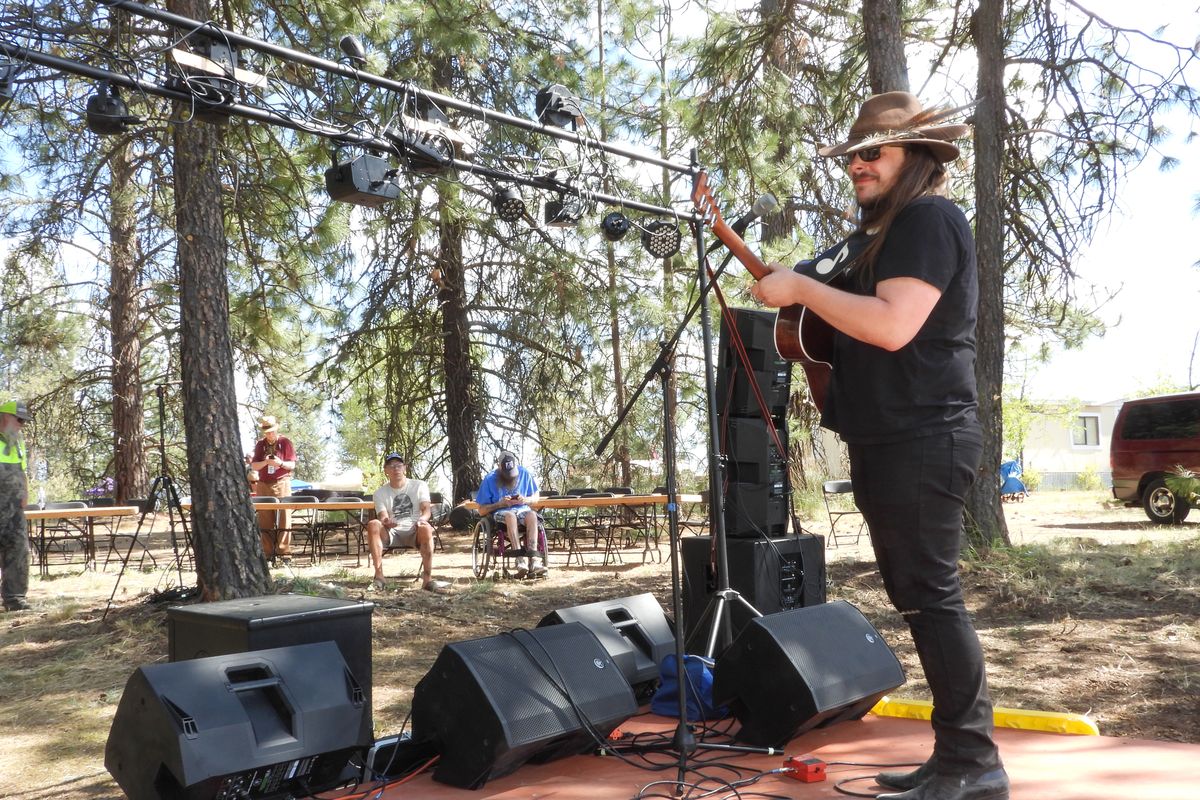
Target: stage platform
column 1042, row 766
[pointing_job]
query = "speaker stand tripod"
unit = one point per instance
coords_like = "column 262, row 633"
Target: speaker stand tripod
column 162, row 488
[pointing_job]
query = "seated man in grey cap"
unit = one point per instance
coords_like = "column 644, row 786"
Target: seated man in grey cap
column 402, row 512
column 505, row 494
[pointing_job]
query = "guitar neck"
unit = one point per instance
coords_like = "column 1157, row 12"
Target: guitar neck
column 740, row 250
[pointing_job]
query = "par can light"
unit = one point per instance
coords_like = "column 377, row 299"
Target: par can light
column 661, row 239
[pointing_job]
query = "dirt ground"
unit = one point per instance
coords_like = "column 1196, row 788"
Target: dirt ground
column 1093, row 612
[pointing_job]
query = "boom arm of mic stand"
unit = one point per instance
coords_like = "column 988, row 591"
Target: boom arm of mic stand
column 664, row 352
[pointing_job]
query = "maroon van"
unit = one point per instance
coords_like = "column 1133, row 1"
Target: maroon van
column 1151, row 436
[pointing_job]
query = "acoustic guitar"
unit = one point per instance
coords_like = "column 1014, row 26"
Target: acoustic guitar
column 801, row 335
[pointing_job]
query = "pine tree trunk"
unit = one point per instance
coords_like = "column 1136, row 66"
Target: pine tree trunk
column 229, row 556
column 463, row 394
column 985, row 517
column 129, row 452
column 887, row 70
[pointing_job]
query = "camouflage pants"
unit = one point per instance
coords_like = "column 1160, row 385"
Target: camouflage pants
column 14, row 551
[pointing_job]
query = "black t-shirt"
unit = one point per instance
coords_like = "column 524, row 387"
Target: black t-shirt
column 927, row 386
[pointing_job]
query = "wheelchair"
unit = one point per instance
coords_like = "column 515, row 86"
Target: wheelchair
column 490, row 548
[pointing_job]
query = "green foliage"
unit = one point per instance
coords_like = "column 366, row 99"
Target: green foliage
column 1088, row 479
column 1184, row 483
column 1031, row 477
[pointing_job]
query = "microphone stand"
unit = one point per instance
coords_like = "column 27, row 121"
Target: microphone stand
column 684, row 741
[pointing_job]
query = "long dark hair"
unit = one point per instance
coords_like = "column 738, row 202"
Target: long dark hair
column 920, row 174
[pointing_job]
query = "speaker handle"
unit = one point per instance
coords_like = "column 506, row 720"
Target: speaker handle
column 261, row 683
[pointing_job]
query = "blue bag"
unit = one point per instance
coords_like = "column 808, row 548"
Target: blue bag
column 699, row 695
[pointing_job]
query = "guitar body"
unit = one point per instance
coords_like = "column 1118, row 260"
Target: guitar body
column 803, row 337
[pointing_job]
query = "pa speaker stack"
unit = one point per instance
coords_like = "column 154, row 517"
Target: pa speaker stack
column 757, row 484
column 771, row 574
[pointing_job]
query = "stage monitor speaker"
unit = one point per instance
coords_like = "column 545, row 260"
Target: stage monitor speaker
column 269, row 724
column 735, row 397
column 634, row 630
column 773, row 575
column 260, row 623
column 490, row 705
column 796, row 670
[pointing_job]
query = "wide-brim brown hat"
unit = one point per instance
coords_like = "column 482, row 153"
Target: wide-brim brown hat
column 268, row 424
column 899, row 118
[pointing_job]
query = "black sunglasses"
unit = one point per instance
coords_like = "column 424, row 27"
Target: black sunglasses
column 867, row 154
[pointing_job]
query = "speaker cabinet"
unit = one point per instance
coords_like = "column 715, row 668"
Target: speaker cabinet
column 269, row 724
column 773, row 575
column 796, row 670
column 735, row 395
column 490, row 705
column 260, row 623
column 757, row 480
column 634, row 630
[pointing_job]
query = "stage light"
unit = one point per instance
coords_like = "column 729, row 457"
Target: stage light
column 8, row 73
column 365, row 180
column 661, row 239
column 107, row 113
column 564, row 211
column 352, row 48
column 509, row 204
column 614, row 226
column 555, row 105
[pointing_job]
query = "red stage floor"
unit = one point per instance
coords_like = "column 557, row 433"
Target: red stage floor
column 1042, row 766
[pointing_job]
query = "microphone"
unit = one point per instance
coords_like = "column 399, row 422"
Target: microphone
column 763, row 205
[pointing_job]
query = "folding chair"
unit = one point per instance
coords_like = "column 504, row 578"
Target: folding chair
column 346, row 524
column 59, row 534
column 835, row 495
column 302, row 521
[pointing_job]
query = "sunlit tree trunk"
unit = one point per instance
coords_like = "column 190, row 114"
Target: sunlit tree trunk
column 129, row 453
column 887, row 70
column 984, row 514
column 229, row 556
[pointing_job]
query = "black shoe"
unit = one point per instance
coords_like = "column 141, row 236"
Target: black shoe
column 16, row 604
column 907, row 780
column 988, row 786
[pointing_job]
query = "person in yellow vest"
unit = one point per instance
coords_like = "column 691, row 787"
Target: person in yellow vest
column 14, row 491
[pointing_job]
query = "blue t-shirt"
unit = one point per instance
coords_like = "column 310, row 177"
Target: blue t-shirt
column 493, row 490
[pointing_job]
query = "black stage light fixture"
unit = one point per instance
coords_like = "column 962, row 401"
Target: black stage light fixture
column 564, row 211
column 107, row 113
column 509, row 204
column 614, row 226
column 354, row 51
column 555, row 105
column 661, row 238
column 8, row 73
column 365, row 180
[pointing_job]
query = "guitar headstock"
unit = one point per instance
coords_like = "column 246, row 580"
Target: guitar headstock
column 703, row 200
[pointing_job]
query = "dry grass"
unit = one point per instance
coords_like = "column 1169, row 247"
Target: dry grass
column 1092, row 611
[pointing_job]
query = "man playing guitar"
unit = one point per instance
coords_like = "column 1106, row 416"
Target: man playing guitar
column 902, row 396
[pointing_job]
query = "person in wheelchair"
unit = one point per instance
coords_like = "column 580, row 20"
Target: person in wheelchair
column 505, row 494
column 402, row 512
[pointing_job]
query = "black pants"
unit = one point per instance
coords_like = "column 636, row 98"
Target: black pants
column 912, row 495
